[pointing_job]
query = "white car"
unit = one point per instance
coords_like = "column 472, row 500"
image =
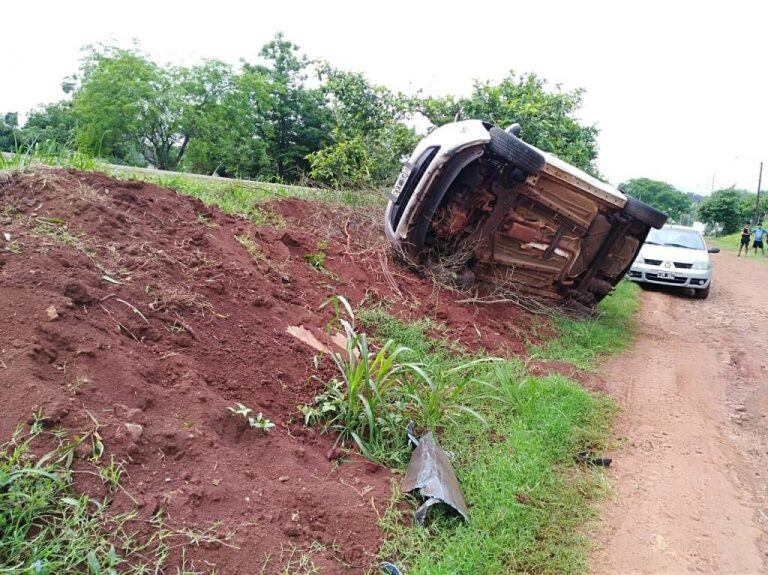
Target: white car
column 675, row 256
column 478, row 195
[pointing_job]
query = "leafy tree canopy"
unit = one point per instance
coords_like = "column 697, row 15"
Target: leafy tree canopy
column 369, row 134
column 660, row 195
column 268, row 120
column 53, row 124
column 9, row 123
column 724, row 208
column 548, row 117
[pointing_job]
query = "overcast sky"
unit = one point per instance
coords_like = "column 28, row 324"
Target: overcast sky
column 678, row 89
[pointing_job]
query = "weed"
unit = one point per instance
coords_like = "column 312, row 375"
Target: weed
column 175, row 328
column 46, row 528
column 176, row 298
column 261, row 217
column 206, row 221
column 251, row 247
column 111, row 473
column 74, row 386
column 258, row 422
column 316, row 260
column 14, row 246
column 376, row 393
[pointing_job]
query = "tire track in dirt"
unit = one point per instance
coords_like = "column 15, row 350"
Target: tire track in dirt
column 689, row 491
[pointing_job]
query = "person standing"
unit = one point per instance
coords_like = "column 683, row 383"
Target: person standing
column 745, row 235
column 758, row 232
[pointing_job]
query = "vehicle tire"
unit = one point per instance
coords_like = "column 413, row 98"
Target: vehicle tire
column 641, row 211
column 515, row 151
column 702, row 293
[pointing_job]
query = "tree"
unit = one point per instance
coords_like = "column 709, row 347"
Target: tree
column 369, row 136
column 126, row 104
column 748, row 201
column 230, row 139
column 723, row 208
column 547, row 116
column 53, row 124
column 115, row 87
column 9, row 124
column 296, row 120
column 660, row 195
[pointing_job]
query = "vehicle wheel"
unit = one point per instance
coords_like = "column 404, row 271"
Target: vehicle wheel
column 641, row 211
column 515, row 151
column 702, row 293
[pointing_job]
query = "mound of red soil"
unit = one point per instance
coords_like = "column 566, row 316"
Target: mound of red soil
column 154, row 313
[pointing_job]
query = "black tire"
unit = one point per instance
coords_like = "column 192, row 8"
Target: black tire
column 644, row 213
column 702, row 293
column 515, row 151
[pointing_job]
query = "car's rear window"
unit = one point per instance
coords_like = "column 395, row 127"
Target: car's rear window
column 690, row 239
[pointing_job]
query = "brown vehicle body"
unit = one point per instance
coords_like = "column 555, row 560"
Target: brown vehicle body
column 510, row 212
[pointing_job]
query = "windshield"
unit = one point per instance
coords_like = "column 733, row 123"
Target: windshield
column 676, row 237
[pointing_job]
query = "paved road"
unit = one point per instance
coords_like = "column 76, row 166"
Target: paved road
column 690, row 481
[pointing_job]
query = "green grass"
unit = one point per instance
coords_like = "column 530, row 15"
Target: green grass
column 731, row 243
column 583, row 342
column 529, row 501
column 48, row 528
column 232, row 196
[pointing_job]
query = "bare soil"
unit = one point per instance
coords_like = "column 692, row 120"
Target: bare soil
column 138, row 306
column 690, row 481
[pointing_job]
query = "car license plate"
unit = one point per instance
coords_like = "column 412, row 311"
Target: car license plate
column 667, row 275
column 400, row 183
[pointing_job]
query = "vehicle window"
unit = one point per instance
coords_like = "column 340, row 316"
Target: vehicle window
column 690, row 239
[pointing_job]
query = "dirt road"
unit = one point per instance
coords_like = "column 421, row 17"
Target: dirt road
column 690, row 491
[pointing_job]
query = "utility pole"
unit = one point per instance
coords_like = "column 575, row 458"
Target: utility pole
column 757, row 201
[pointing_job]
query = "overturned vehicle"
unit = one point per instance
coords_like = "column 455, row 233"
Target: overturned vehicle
column 502, row 210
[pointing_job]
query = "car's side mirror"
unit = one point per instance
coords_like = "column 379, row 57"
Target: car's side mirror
column 714, row 250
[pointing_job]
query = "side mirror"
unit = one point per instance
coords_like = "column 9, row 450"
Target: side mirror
column 714, row 250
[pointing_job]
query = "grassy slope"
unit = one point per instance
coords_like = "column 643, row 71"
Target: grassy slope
column 529, row 500
column 582, row 343
column 729, row 242
column 231, row 195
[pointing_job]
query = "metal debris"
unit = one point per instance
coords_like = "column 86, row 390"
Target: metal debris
column 389, row 568
column 432, row 474
column 588, row 458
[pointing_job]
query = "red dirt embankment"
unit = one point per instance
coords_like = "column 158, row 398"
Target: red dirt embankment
column 139, row 306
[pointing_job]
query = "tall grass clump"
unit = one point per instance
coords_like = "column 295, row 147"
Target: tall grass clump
column 377, row 391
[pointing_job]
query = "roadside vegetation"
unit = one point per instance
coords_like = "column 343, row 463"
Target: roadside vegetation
column 582, row 343
column 731, row 243
column 281, row 118
column 513, row 447
column 512, row 437
column 48, row 528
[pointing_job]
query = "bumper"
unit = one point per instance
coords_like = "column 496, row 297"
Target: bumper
column 445, row 149
column 684, row 278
